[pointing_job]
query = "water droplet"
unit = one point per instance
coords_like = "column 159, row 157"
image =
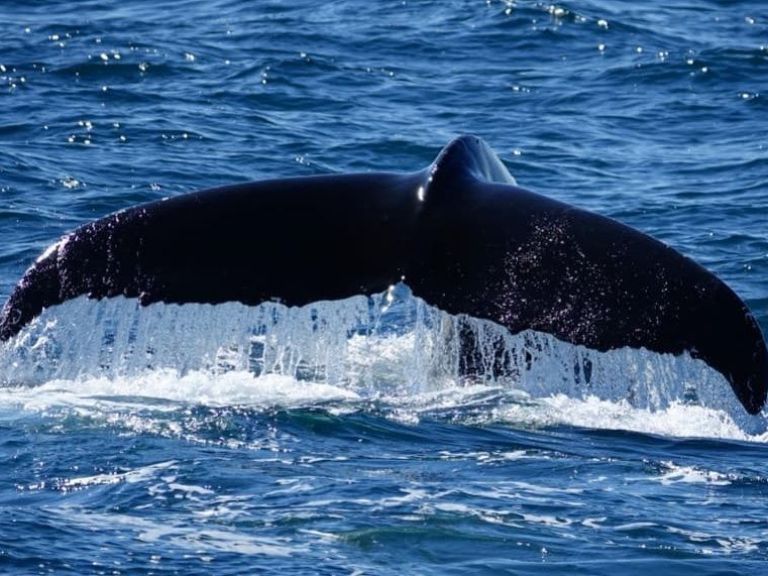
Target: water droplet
column 557, row 11
column 70, row 183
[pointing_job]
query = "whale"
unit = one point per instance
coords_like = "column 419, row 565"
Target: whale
column 460, row 233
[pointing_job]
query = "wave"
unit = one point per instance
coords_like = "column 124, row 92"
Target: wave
column 390, row 353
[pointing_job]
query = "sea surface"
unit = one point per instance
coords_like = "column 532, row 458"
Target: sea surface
column 199, row 440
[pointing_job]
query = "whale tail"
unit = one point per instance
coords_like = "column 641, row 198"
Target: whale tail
column 460, row 233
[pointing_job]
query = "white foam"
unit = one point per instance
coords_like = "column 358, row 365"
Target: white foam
column 676, row 474
column 195, row 539
column 171, row 389
column 114, row 356
column 676, row 419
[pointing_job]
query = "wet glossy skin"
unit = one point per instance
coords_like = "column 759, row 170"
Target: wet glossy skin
column 459, row 233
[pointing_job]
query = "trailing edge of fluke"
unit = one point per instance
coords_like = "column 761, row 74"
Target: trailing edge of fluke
column 463, row 236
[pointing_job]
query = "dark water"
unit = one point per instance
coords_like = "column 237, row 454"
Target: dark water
column 651, row 114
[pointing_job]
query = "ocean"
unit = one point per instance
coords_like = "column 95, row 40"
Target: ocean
column 354, row 449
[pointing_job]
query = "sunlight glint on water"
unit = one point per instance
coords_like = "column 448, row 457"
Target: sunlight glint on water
column 362, row 453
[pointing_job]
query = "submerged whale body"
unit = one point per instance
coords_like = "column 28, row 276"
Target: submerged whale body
column 460, row 233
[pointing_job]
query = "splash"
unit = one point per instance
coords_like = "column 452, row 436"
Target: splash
column 391, row 349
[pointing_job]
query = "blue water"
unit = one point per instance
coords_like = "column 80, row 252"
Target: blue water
column 654, row 115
